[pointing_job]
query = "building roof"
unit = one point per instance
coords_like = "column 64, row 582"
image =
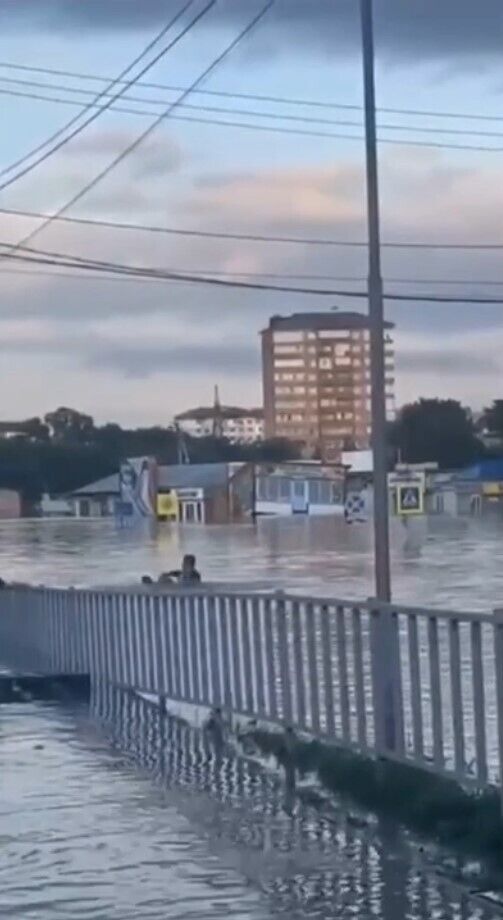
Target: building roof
column 202, row 413
column 484, row 471
column 298, row 322
column 107, row 486
column 187, row 476
column 194, row 476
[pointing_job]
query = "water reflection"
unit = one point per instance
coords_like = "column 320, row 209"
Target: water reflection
column 310, row 860
column 437, row 561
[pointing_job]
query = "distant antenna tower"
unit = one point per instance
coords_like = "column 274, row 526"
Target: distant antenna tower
column 218, row 419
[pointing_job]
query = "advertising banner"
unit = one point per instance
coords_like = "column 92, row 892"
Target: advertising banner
column 138, row 487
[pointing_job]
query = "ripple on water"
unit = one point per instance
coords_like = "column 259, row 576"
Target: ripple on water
column 146, row 823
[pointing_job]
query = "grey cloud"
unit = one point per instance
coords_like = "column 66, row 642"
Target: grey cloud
column 188, row 360
column 462, row 363
column 158, row 156
column 142, row 360
column 424, row 28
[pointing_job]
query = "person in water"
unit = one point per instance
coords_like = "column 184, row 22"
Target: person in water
column 188, row 574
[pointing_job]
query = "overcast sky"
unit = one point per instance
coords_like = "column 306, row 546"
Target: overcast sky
column 137, row 352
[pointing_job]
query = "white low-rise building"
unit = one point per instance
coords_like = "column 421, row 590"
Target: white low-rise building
column 239, row 426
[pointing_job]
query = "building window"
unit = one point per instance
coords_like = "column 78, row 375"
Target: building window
column 288, row 337
column 289, row 362
column 287, row 349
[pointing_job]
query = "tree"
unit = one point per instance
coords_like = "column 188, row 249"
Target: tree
column 436, row 430
column 69, row 426
column 492, row 418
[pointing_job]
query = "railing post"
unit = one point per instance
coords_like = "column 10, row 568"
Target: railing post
column 498, row 656
column 385, row 657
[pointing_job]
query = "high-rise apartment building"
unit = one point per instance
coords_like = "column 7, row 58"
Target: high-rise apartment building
column 316, row 379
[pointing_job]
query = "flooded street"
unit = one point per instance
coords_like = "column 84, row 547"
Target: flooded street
column 442, row 562
column 131, row 820
column 119, row 812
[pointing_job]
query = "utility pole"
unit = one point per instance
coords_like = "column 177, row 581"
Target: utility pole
column 376, row 319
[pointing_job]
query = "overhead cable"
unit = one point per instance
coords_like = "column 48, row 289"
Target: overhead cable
column 29, row 167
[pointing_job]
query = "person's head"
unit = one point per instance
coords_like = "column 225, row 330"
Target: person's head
column 146, row 580
column 189, row 563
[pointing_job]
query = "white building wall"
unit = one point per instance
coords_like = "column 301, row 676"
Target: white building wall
column 244, row 430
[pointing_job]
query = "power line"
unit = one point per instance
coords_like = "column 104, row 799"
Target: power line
column 341, row 279
column 275, row 129
column 96, row 114
column 275, row 116
column 247, row 237
column 255, row 97
column 152, row 127
column 97, row 97
column 44, row 257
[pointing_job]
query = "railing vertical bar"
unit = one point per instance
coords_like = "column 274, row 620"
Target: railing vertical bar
column 184, row 634
column 397, row 690
column 236, row 650
column 150, row 645
column 361, row 715
column 122, row 651
column 284, row 669
column 178, row 648
column 108, row 628
column 194, row 649
column 270, row 660
column 52, row 629
column 227, row 671
column 142, row 608
column 203, row 649
column 214, row 651
column 131, row 640
column 172, row 652
column 415, row 686
column 479, row 706
column 436, row 693
column 298, row 661
column 312, row 662
column 81, row 633
column 126, row 676
column 342, row 666
column 247, row 659
column 104, row 646
column 161, row 642
column 456, row 697
column 328, row 676
column 258, row 656
column 63, row 661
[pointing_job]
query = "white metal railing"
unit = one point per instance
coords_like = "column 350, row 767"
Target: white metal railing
column 417, row 684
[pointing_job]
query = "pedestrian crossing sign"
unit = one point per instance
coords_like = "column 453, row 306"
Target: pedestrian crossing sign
column 410, row 498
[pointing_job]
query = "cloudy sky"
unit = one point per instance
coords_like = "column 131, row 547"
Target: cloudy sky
column 137, row 352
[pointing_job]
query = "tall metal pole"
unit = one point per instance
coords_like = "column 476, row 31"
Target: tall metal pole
column 376, row 319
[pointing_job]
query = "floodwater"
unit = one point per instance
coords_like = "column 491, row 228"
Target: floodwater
column 124, row 814
column 118, row 812
column 454, row 563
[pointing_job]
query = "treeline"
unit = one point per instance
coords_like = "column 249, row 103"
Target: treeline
column 445, row 432
column 66, row 450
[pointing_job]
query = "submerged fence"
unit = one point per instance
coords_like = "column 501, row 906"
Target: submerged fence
column 416, row 684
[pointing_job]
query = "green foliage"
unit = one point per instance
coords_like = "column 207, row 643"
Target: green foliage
column 492, row 418
column 69, row 451
column 436, row 430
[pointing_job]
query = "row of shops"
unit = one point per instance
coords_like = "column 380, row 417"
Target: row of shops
column 221, row 493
